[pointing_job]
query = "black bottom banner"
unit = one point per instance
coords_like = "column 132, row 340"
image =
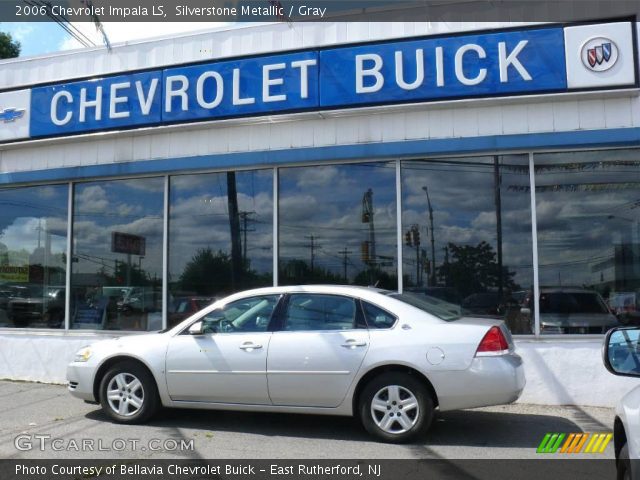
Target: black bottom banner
column 490, row 469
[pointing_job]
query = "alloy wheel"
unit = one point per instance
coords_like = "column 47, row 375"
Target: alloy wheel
column 125, row 394
column 395, row 409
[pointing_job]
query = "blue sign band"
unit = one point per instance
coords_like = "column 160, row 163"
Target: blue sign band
column 465, row 66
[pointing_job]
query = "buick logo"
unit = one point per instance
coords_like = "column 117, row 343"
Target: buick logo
column 599, row 54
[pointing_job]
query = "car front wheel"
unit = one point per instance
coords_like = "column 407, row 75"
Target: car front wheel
column 396, row 407
column 128, row 393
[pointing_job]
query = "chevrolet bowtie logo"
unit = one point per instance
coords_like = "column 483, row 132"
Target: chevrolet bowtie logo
column 11, row 114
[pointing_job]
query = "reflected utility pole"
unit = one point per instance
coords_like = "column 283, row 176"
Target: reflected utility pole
column 245, row 217
column 497, row 184
column 432, row 273
column 313, row 246
column 367, row 217
column 234, row 228
column 345, row 259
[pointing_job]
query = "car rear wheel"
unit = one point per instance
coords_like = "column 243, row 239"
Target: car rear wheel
column 128, row 393
column 624, row 464
column 396, row 407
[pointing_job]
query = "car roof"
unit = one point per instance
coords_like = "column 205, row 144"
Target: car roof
column 352, row 290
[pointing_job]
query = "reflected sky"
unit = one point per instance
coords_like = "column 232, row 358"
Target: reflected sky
column 127, row 206
column 199, row 218
column 463, row 198
column 588, row 208
column 28, row 215
column 326, row 202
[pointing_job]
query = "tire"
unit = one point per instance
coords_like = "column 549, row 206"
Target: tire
column 130, row 401
column 406, row 419
column 624, row 464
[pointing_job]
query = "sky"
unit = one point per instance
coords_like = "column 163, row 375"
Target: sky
column 38, row 38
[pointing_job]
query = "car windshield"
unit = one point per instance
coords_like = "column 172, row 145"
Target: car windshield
column 443, row 310
column 572, row 302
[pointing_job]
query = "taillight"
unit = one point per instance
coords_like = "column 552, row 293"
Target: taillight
column 493, row 343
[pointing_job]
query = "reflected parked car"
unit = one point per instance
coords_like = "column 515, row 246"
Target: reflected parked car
column 34, row 306
column 184, row 307
column 574, row 310
column 487, row 303
column 390, row 359
column 621, row 356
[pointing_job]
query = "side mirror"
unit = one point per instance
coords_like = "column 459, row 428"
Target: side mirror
column 525, row 311
column 196, row 329
column 621, row 352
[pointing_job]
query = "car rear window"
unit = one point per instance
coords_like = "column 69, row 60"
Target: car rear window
column 443, row 310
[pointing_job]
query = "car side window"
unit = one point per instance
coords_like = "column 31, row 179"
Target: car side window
column 308, row 312
column 247, row 315
column 377, row 317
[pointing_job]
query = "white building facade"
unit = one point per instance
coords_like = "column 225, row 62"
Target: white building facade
column 492, row 166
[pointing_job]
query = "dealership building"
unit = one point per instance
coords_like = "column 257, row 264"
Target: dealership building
column 493, row 166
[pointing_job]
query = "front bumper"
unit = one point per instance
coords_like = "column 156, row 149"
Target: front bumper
column 80, row 377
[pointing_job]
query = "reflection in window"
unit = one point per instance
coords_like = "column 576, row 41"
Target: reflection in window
column 117, row 255
column 337, row 224
column 316, row 312
column 220, row 237
column 33, row 245
column 588, row 239
column 467, row 235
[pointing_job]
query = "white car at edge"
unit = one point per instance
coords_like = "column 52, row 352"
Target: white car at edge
column 621, row 356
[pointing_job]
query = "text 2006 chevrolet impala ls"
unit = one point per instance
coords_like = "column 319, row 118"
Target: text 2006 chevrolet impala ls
column 389, row 358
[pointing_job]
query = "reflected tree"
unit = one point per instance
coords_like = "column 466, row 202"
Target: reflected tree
column 208, row 272
column 299, row 272
column 475, row 269
column 376, row 277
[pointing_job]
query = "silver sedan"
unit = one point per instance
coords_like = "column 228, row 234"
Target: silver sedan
column 391, row 359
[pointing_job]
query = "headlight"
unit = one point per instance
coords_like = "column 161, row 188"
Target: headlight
column 83, row 355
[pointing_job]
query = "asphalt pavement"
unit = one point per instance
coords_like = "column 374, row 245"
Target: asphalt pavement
column 44, row 421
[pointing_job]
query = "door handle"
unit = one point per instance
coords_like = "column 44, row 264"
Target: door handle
column 250, row 346
column 351, row 343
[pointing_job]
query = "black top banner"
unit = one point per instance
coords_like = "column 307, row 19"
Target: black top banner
column 291, row 11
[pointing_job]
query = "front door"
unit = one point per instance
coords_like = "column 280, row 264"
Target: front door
column 227, row 363
column 315, row 357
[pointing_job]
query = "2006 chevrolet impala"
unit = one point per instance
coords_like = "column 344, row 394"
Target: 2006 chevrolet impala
column 389, row 358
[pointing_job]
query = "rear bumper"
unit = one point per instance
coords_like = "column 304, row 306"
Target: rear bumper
column 488, row 381
column 80, row 380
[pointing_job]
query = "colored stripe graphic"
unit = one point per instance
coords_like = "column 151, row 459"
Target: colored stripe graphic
column 574, row 443
column 550, row 443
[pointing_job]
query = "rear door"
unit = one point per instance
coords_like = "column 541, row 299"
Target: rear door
column 315, row 356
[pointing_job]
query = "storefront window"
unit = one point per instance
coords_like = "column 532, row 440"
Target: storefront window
column 220, row 237
column 337, row 224
column 466, row 226
column 33, row 246
column 588, row 212
column 117, row 255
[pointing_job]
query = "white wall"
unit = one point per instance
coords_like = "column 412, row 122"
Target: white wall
column 568, row 372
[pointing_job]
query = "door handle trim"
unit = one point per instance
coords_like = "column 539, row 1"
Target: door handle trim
column 354, row 343
column 250, row 346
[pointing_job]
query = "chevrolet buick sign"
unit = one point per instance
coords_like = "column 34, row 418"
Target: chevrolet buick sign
column 537, row 60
